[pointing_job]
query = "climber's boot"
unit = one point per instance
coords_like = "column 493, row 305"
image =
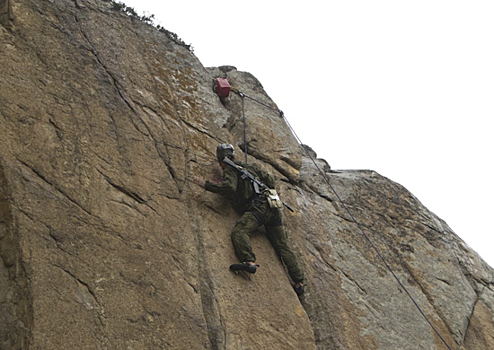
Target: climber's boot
column 245, row 266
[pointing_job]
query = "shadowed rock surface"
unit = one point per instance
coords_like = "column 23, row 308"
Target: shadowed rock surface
column 106, row 243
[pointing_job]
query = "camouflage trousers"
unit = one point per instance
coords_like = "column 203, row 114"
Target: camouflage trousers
column 260, row 214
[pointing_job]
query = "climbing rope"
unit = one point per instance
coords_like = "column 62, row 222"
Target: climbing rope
column 282, row 115
column 245, row 127
column 241, row 94
column 243, row 97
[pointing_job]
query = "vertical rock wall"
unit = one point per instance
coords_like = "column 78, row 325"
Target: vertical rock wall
column 15, row 294
column 6, row 17
column 107, row 243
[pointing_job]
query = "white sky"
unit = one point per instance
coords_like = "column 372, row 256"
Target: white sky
column 405, row 88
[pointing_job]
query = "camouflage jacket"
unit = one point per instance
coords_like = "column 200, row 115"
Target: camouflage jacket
column 240, row 192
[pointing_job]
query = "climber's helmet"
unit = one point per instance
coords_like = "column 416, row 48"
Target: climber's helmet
column 224, row 150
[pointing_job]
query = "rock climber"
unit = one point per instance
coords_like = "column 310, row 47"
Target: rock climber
column 255, row 211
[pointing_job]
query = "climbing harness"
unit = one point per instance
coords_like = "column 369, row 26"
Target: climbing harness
column 282, row 115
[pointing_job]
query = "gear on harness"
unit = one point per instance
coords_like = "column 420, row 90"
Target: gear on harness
column 274, row 200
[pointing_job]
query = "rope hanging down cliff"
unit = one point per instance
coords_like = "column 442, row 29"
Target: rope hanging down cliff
column 282, row 115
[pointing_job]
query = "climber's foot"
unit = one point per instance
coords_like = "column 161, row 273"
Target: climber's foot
column 248, row 266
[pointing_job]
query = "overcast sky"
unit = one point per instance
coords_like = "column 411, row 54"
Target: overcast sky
column 405, row 88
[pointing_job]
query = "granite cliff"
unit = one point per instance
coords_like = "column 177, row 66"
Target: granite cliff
column 106, row 243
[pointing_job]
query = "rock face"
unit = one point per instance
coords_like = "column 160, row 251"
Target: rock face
column 106, row 243
column 6, row 14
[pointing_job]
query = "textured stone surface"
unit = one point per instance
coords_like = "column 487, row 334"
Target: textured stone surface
column 107, row 244
column 6, row 14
